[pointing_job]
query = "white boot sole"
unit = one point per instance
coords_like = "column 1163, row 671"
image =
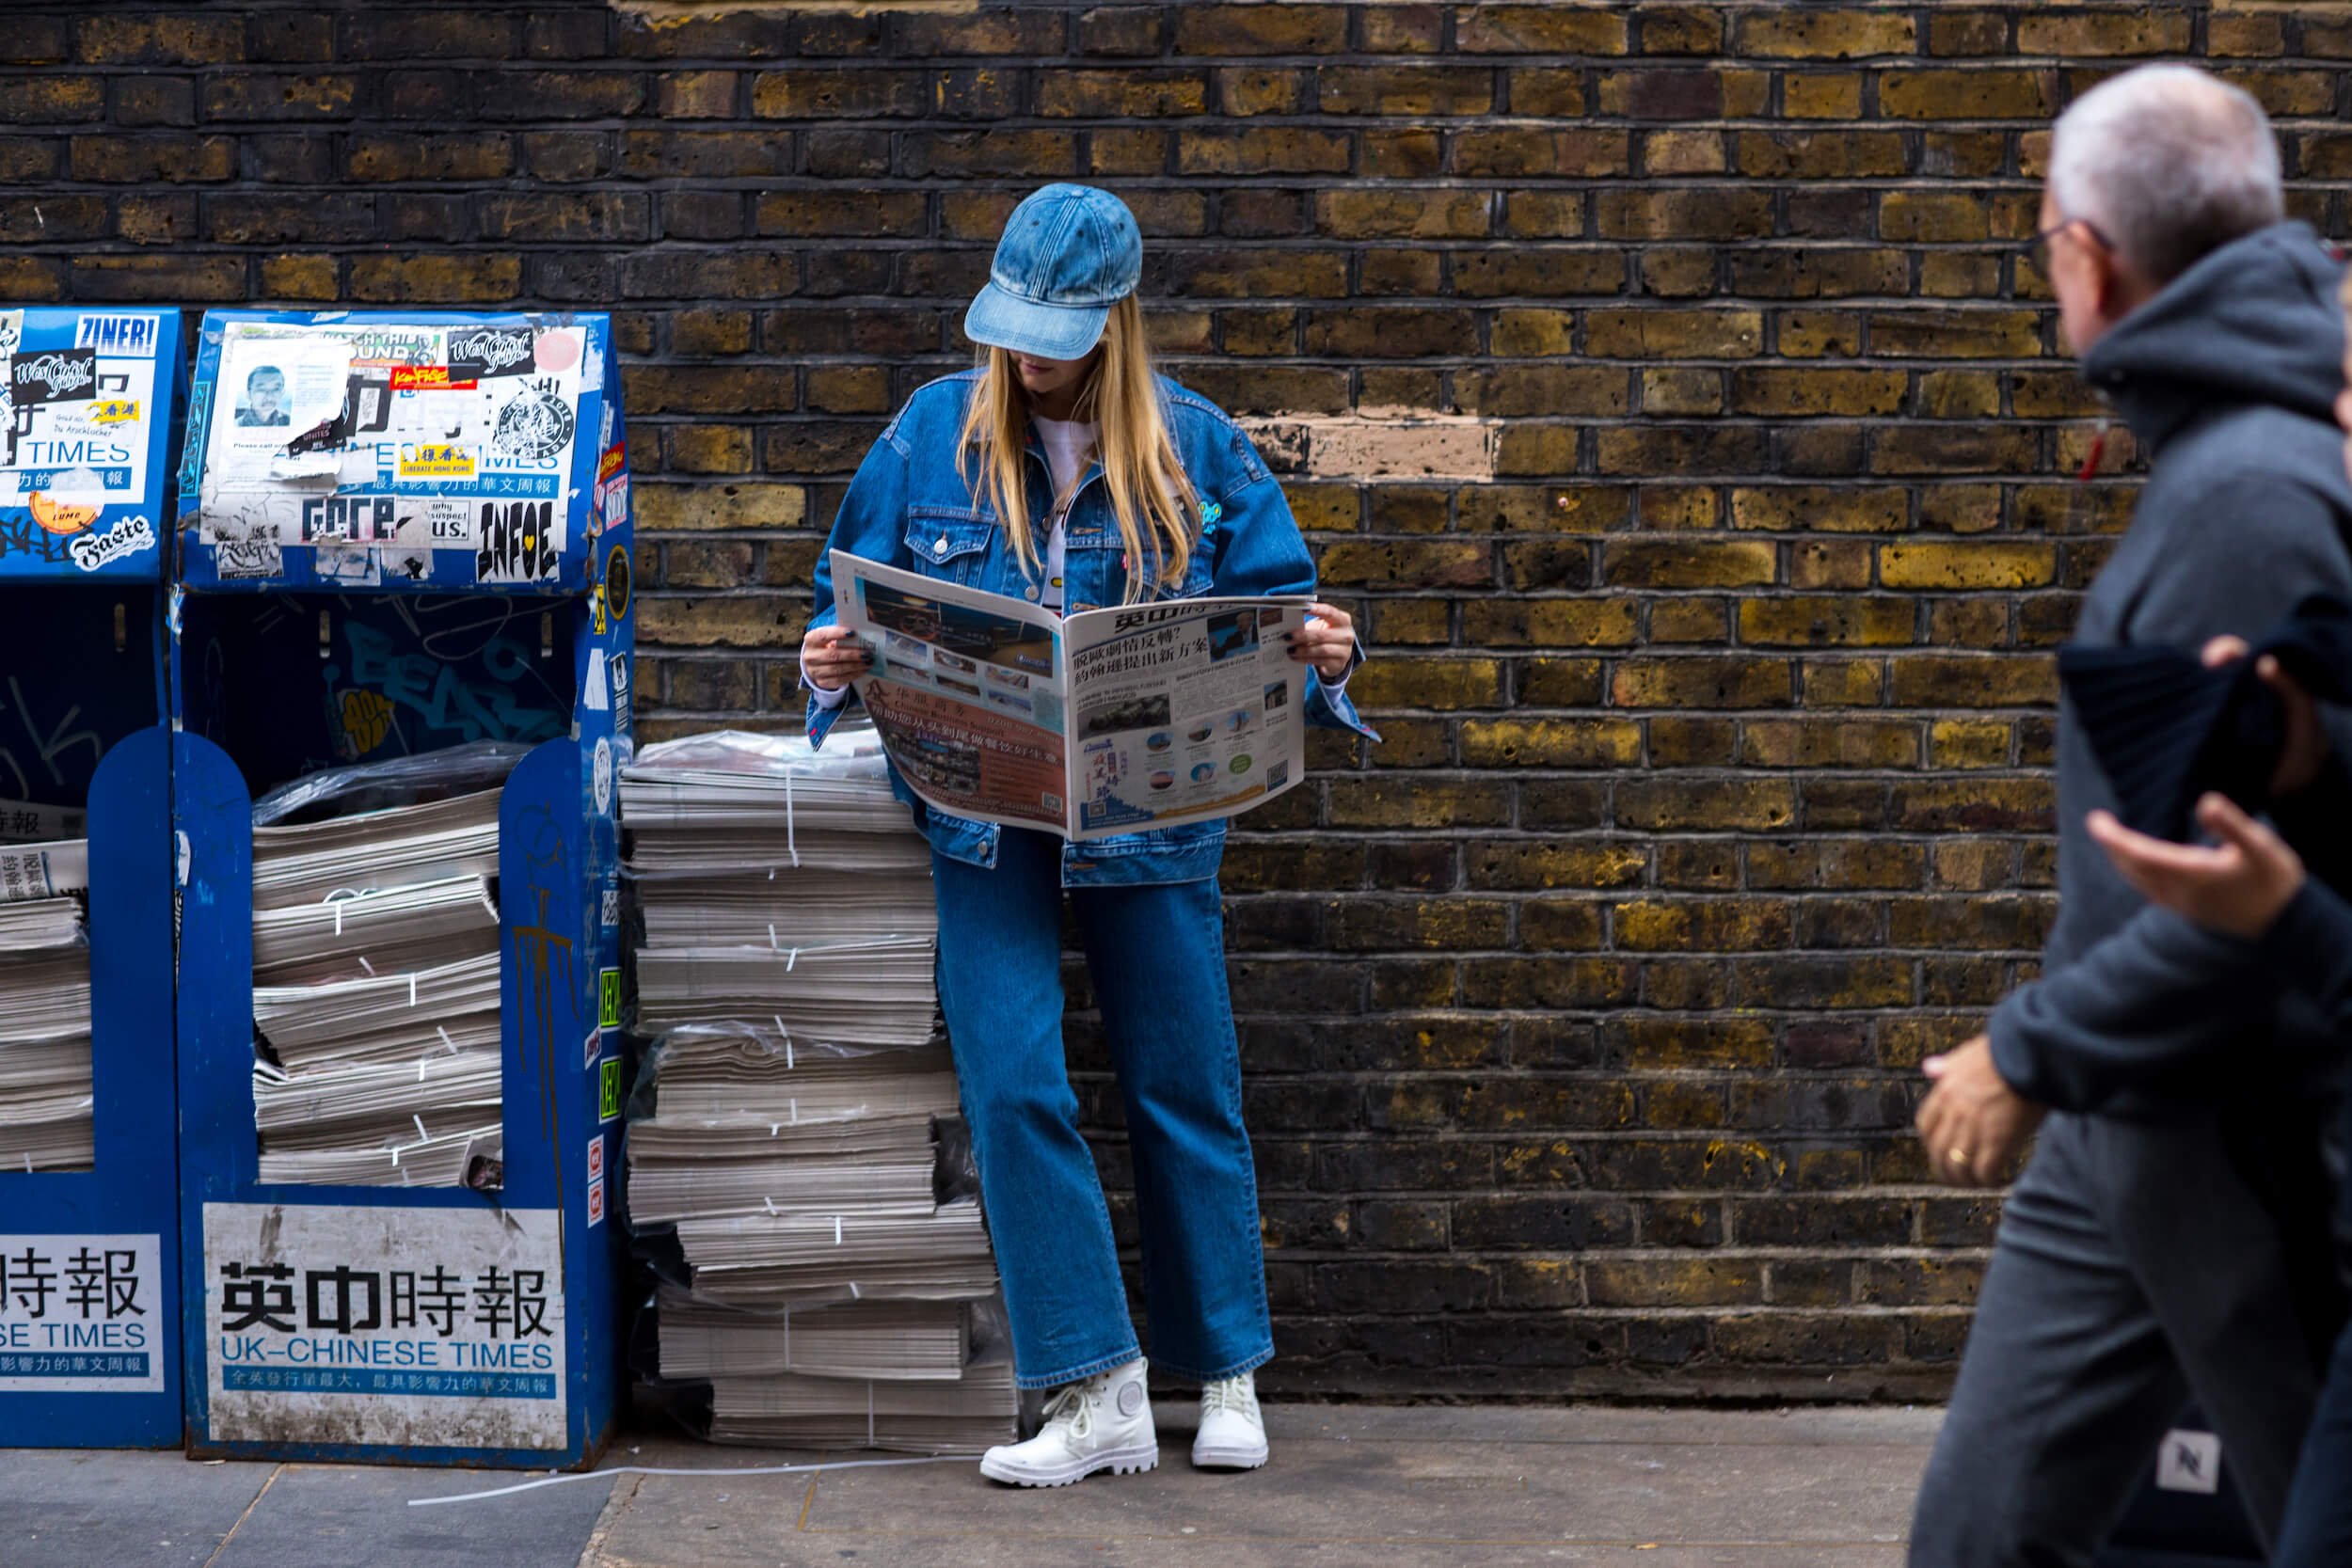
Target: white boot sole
column 1229, row 1459
column 1118, row 1462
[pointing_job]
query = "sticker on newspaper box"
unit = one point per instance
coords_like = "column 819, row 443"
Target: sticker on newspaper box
column 82, row 1315
column 129, row 537
column 520, row 542
column 121, row 335
column 53, row 375
column 418, row 1327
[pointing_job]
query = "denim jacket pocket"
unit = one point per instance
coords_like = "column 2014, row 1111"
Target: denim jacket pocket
column 950, row 543
column 1100, row 565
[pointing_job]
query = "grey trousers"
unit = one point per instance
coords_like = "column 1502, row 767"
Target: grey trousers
column 2134, row 1269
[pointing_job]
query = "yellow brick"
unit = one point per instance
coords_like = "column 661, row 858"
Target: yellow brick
column 1967, row 565
column 1808, row 32
column 1551, row 743
column 1661, row 334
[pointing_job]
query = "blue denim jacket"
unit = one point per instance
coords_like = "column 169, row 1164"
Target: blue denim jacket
column 910, row 507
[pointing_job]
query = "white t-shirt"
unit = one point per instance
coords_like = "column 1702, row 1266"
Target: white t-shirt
column 1067, row 443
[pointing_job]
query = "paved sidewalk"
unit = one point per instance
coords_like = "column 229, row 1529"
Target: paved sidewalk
column 1350, row 1485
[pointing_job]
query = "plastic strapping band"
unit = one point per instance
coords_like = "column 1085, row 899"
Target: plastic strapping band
column 791, row 959
column 791, row 835
column 412, row 988
column 853, row 1295
column 422, row 1137
column 795, row 1103
column 363, row 963
column 773, row 946
column 338, row 907
column 837, row 1230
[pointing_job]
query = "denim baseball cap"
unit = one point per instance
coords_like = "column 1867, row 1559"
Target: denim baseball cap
column 1069, row 254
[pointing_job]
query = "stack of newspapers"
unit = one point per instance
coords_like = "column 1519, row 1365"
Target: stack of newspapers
column 830, row 1279
column 45, row 1092
column 376, row 995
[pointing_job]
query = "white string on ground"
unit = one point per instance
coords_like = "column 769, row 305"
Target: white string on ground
column 662, row 1470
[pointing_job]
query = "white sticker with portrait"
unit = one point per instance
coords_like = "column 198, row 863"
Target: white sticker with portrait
column 271, row 389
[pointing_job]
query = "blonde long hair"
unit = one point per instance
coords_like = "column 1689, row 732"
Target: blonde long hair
column 1150, row 497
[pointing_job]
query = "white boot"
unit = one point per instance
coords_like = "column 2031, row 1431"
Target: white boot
column 1233, row 1428
column 1104, row 1423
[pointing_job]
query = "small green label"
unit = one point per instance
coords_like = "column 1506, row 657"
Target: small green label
column 608, row 999
column 609, row 1089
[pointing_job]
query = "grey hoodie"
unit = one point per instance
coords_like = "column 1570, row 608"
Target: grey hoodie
column 2228, row 379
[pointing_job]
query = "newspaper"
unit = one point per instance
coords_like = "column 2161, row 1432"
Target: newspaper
column 1109, row 721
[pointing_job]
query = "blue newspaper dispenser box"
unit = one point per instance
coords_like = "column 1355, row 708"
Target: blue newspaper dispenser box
column 402, row 533
column 89, row 1246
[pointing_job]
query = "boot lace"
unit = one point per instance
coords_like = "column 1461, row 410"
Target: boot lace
column 1237, row 1394
column 1070, row 1412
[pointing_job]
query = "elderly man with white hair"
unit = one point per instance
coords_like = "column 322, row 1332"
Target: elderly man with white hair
column 2168, row 1237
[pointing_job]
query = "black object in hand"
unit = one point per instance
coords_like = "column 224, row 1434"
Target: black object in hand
column 2166, row 728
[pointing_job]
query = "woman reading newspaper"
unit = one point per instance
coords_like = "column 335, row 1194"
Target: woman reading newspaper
column 1063, row 472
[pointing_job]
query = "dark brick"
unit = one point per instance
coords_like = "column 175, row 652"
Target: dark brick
column 318, row 97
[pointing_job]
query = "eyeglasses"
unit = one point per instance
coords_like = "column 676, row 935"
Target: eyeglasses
column 2038, row 248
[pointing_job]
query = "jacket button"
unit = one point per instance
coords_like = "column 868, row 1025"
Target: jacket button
column 940, row 548
column 1030, row 591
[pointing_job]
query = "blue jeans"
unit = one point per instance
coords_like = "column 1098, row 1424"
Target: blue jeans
column 2318, row 1529
column 1157, row 956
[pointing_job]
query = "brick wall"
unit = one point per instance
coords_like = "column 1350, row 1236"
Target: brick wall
column 1660, row 381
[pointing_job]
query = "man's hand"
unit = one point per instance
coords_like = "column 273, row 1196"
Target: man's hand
column 2305, row 750
column 832, row 657
column 1973, row 1125
column 2238, row 884
column 1327, row 640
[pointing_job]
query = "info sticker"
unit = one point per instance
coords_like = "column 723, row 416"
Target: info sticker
column 609, row 1090
column 608, row 999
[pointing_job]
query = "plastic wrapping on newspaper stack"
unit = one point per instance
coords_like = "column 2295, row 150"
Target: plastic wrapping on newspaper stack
column 798, row 1182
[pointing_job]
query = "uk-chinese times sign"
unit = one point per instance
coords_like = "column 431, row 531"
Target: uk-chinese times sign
column 427, row 1327
column 79, row 1315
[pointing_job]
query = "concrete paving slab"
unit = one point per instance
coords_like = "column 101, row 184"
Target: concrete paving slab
column 1899, row 1425
column 1349, row 1485
column 357, row 1516
column 75, row 1507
